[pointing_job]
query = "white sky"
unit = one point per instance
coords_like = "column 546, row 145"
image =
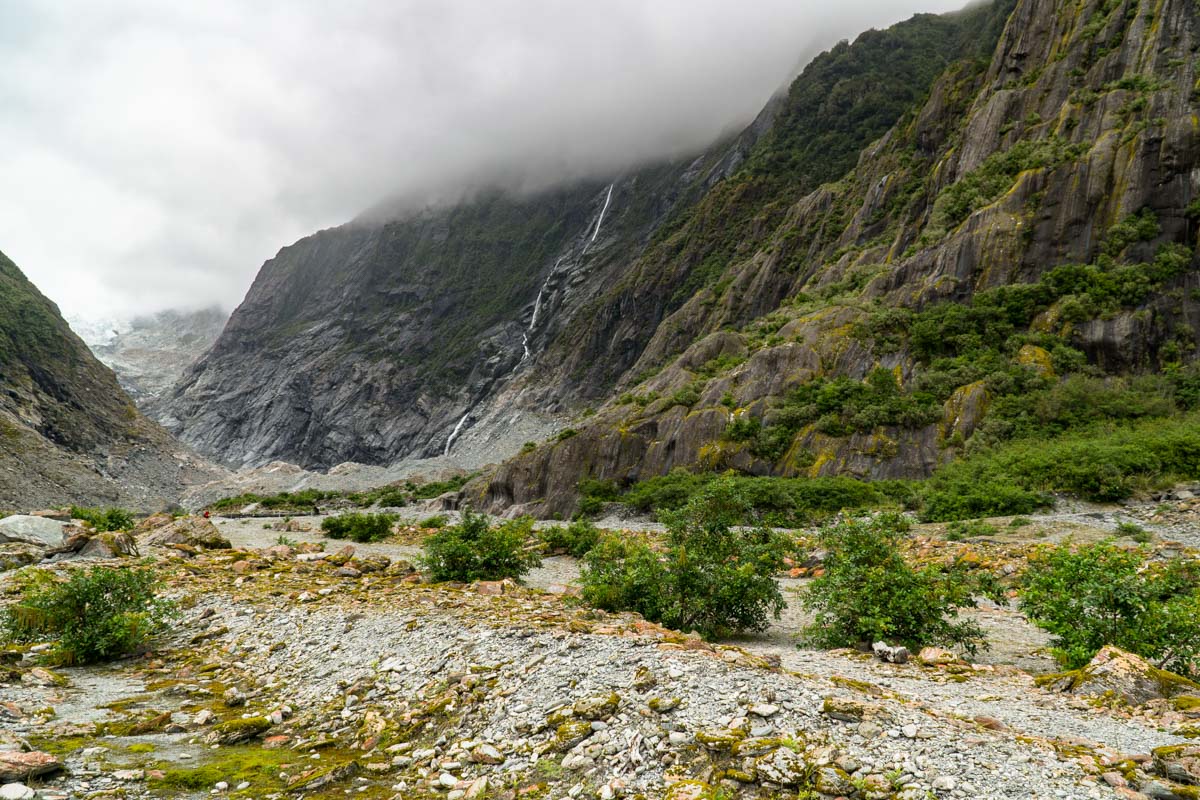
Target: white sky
column 153, row 154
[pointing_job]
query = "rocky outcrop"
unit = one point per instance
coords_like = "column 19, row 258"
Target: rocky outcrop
column 1120, row 677
column 68, row 433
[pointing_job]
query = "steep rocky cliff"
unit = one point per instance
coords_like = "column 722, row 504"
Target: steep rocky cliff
column 68, row 433
column 375, row 341
column 1033, row 217
column 472, row 329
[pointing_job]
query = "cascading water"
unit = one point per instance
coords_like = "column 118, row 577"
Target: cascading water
column 455, row 432
column 537, row 310
column 600, row 221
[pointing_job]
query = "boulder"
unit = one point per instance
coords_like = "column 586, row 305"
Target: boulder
column 28, row 529
column 109, row 545
column 892, row 655
column 16, row 767
column 937, row 657
column 784, row 767
column 152, row 523
column 1115, row 674
column 190, row 531
column 1179, row 763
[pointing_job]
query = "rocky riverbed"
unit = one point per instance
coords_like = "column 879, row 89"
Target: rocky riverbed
column 296, row 671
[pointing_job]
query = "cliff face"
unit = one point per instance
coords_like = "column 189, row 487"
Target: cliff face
column 68, row 433
column 378, row 341
column 1062, row 166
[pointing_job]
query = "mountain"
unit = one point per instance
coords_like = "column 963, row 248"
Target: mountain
column 150, row 353
column 455, row 331
column 1015, row 249
column 936, row 233
column 68, row 433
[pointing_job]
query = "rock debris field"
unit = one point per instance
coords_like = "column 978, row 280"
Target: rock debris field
column 298, row 672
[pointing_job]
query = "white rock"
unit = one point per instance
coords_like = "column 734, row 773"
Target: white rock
column 16, row 791
column 944, row 783
column 764, row 710
column 31, row 530
column 909, row 731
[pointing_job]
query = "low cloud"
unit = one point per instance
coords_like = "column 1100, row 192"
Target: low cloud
column 154, row 154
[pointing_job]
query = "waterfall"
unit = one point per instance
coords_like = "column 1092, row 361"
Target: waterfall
column 455, row 432
column 600, row 221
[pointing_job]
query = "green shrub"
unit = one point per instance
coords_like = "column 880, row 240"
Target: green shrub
column 436, row 521
column 428, row 491
column 97, row 614
column 384, row 497
column 475, row 550
column 594, row 493
column 782, row 502
column 576, row 539
column 109, row 519
column 969, row 529
column 1103, row 464
column 711, row 578
column 870, row 593
column 1101, row 594
column 359, row 527
column 1134, row 531
column 1020, row 522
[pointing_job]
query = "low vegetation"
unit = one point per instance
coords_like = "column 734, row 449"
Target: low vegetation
column 359, row 527
column 1101, row 594
column 307, row 501
column 709, row 576
column 576, row 539
column 108, row 519
column 476, row 550
column 870, row 593
column 97, row 614
column 780, row 502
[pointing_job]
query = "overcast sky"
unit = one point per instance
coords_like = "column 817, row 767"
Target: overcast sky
column 153, row 154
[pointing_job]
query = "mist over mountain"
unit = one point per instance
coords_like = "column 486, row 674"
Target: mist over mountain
column 201, row 137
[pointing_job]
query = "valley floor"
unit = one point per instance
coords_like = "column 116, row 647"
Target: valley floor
column 302, row 674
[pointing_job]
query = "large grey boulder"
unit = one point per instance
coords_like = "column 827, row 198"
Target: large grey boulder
column 31, row 530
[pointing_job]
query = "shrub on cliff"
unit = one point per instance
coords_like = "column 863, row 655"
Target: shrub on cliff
column 870, row 593
column 475, row 550
column 1102, row 594
column 95, row 615
column 710, row 577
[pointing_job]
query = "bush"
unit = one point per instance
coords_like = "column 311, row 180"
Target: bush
column 577, row 539
column 1100, row 594
column 782, row 502
column 95, row 615
column 474, row 550
column 869, row 593
column 711, row 578
column 1102, row 464
column 435, row 522
column 359, row 527
column 109, row 519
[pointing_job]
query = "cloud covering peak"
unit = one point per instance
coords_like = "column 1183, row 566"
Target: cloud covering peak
column 154, row 154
